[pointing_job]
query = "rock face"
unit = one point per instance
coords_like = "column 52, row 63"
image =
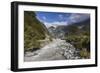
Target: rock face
column 56, row 50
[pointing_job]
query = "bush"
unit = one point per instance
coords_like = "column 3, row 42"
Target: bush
column 81, row 42
column 84, row 53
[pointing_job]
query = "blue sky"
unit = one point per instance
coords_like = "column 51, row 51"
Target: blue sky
column 57, row 18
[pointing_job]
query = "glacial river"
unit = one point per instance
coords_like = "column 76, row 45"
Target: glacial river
column 56, row 50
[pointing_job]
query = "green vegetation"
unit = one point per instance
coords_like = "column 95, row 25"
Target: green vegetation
column 84, row 53
column 36, row 34
column 80, row 39
column 33, row 31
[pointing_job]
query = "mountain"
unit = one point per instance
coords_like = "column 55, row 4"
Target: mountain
column 34, row 30
column 73, row 28
column 84, row 25
column 85, row 22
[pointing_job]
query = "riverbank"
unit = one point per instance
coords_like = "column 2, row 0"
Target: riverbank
column 56, row 50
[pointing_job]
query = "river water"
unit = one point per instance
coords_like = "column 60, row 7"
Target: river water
column 56, row 50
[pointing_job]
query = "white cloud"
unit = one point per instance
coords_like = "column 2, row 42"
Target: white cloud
column 44, row 18
column 60, row 16
column 55, row 23
column 78, row 17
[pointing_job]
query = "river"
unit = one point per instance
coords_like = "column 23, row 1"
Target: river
column 56, row 50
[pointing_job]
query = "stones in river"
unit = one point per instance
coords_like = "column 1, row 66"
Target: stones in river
column 56, row 50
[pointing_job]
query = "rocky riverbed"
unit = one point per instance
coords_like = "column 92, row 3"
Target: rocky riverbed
column 56, row 50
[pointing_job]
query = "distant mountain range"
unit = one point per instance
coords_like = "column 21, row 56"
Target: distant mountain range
column 73, row 28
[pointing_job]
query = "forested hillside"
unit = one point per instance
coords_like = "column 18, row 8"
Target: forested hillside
column 34, row 30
